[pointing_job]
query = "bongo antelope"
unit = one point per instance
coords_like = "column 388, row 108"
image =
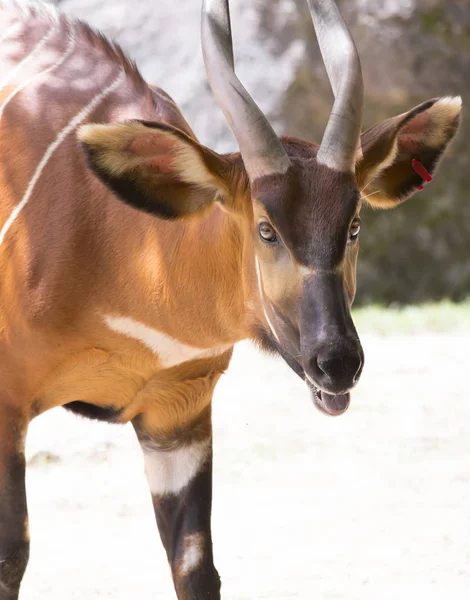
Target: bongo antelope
column 132, row 258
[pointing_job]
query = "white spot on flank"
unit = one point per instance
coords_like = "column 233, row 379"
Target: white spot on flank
column 170, row 351
column 193, row 554
column 53, row 147
column 29, row 57
column 169, row 472
column 63, row 57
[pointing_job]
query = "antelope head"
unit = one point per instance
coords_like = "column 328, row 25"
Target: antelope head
column 306, row 199
column 300, row 202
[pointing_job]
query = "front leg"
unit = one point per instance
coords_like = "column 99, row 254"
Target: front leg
column 14, row 535
column 180, row 480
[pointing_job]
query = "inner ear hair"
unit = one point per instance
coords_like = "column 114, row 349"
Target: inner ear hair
column 125, row 147
column 379, row 147
column 433, row 123
column 155, row 167
column 422, row 133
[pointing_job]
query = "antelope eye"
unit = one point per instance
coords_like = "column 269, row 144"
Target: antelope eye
column 354, row 229
column 267, row 232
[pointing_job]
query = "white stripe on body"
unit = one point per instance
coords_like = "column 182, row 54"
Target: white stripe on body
column 163, row 97
column 33, row 8
column 29, row 57
column 63, row 58
column 170, row 351
column 63, row 133
column 170, row 471
column 16, row 26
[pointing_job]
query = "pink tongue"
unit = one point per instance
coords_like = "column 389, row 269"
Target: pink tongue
column 335, row 405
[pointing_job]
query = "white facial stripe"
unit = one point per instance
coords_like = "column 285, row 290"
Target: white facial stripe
column 53, row 147
column 68, row 51
column 29, row 57
column 265, row 312
column 306, row 271
column 169, row 472
column 310, row 379
column 170, row 351
column 193, row 554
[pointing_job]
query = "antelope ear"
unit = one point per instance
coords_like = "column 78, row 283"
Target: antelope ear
column 155, row 167
column 398, row 153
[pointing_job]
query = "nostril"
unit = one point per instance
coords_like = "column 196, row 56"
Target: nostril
column 325, row 365
column 331, row 366
column 358, row 371
column 342, row 368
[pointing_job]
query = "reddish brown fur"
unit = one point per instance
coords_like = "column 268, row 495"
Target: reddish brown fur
column 76, row 254
column 109, row 265
column 84, row 261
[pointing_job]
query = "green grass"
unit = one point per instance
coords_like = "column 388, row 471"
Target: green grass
column 443, row 316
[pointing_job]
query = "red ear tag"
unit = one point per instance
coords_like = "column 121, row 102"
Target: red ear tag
column 421, row 170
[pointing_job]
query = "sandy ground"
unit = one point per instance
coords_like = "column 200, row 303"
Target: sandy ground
column 372, row 505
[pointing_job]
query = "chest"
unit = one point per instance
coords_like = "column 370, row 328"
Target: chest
column 135, row 370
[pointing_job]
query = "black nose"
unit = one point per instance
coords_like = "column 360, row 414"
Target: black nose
column 337, row 372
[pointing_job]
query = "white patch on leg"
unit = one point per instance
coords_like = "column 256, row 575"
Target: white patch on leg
column 193, row 554
column 170, row 351
column 169, row 472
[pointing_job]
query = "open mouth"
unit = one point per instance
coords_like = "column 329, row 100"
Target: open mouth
column 333, row 405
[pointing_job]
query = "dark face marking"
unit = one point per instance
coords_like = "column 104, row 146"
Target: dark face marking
column 311, row 207
column 308, row 274
column 329, row 344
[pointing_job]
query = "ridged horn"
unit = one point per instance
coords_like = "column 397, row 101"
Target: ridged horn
column 261, row 149
column 341, row 138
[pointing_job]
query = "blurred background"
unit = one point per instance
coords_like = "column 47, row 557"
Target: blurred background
column 411, row 50
column 372, row 505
